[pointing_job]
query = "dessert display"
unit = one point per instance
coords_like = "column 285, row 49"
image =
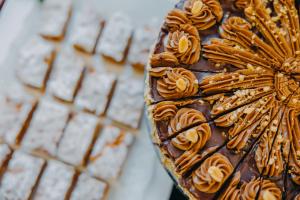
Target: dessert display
column 222, row 92
column 115, row 39
column 66, row 75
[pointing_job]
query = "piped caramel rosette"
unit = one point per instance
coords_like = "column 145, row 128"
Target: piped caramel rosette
column 269, row 191
column 203, row 13
column 249, row 190
column 175, row 82
column 232, row 192
column 175, row 19
column 212, row 173
column 241, row 4
column 184, row 43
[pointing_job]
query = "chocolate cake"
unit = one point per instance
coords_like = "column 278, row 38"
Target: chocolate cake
column 222, row 92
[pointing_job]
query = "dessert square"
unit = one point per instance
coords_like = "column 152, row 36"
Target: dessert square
column 142, row 41
column 127, row 102
column 95, row 92
column 88, row 24
column 46, row 127
column 77, row 139
column 67, row 74
column 21, row 176
column 16, row 107
column 114, row 40
column 109, row 153
column 89, row 188
column 55, row 182
column 35, row 62
column 5, row 153
column 55, row 17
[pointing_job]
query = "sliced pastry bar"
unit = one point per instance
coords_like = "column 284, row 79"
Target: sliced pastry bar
column 55, row 182
column 172, row 117
column 55, row 18
column 95, row 91
column 17, row 108
column 127, row 102
column 88, row 24
column 35, row 62
column 190, row 147
column 66, row 76
column 89, row 188
column 115, row 39
column 5, row 154
column 46, row 127
column 143, row 39
column 109, row 153
column 21, row 176
column 77, row 139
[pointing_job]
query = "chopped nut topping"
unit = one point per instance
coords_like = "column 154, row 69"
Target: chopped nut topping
column 197, row 6
column 267, row 195
column 216, row 173
column 181, row 84
column 183, row 44
column 192, row 135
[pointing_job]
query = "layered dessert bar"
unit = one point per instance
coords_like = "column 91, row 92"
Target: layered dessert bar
column 95, row 91
column 76, row 142
column 109, row 153
column 17, row 108
column 115, row 39
column 66, row 76
column 21, row 176
column 35, row 62
column 127, row 102
column 46, row 127
column 56, row 182
column 55, row 18
column 89, row 188
column 88, row 25
column 142, row 41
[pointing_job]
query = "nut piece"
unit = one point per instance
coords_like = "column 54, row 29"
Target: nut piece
column 197, row 6
column 181, row 84
column 183, row 44
column 267, row 195
column 216, row 173
column 192, row 135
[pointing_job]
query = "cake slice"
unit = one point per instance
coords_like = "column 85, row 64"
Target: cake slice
column 21, row 176
column 75, row 144
column 35, row 62
column 55, row 18
column 127, row 103
column 88, row 25
column 56, row 182
column 115, row 39
column 67, row 74
column 89, row 188
column 95, row 92
column 46, row 128
column 109, row 153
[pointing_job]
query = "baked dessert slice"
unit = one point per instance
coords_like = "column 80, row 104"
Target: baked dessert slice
column 66, row 76
column 109, row 153
column 89, row 188
column 46, row 128
column 35, row 62
column 55, row 18
column 115, row 39
column 241, row 59
column 88, row 25
column 76, row 142
column 21, row 176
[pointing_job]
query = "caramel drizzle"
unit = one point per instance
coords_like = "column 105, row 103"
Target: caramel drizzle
column 204, row 181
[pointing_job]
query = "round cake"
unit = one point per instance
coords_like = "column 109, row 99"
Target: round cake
column 223, row 98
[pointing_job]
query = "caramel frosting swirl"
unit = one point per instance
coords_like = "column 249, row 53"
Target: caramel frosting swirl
column 241, row 4
column 184, row 118
column 175, row 82
column 175, row 19
column 184, row 43
column 194, row 138
column 297, row 197
column 285, row 86
column 203, row 13
column 164, row 59
column 269, row 190
column 164, row 111
column 250, row 190
column 212, row 173
column 232, row 192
